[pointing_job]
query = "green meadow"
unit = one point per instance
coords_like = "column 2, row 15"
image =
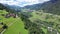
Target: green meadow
column 15, row 25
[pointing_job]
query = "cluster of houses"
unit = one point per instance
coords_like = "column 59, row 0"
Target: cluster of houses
column 11, row 15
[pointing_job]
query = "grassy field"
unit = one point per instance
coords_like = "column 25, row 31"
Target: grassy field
column 15, row 25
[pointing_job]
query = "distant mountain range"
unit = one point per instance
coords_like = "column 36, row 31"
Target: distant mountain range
column 40, row 5
column 33, row 7
column 10, row 7
column 52, row 6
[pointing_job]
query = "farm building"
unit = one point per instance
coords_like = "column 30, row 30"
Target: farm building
column 10, row 15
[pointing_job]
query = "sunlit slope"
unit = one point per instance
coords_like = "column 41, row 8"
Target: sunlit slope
column 15, row 25
column 46, row 20
column 46, row 17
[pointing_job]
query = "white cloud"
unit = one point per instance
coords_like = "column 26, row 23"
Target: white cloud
column 22, row 2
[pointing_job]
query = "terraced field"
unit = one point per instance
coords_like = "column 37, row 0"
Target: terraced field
column 47, row 20
column 15, row 25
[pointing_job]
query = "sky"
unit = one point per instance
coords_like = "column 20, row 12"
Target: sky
column 22, row 2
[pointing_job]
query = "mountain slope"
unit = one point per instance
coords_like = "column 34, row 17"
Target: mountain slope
column 52, row 6
column 15, row 25
column 33, row 7
column 11, row 8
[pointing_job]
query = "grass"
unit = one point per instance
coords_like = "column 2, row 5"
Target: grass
column 16, row 28
column 15, row 25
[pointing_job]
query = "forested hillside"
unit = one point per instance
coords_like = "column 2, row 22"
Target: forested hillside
column 52, row 7
column 33, row 7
